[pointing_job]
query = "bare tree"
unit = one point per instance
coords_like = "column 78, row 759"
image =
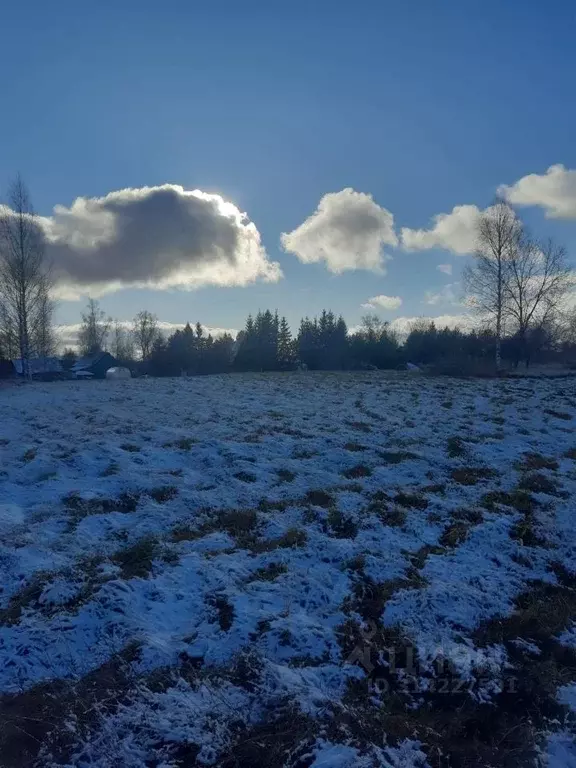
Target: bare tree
column 94, row 330
column 8, row 335
column 42, row 336
column 373, row 328
column 121, row 342
column 486, row 281
column 24, row 274
column 538, row 280
column 145, row 331
column 568, row 327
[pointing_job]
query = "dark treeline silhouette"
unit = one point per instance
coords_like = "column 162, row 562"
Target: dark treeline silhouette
column 324, row 343
column 190, row 351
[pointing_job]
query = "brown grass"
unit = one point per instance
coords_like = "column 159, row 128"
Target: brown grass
column 471, row 475
column 355, row 447
column 360, row 470
column 454, row 534
column 136, row 560
column 319, row 498
column 246, row 477
column 455, row 447
column 38, row 718
column 395, row 517
column 163, row 493
column 224, row 611
column 534, row 461
column 285, row 475
column 558, row 414
column 518, row 499
column 414, row 500
column 341, row 526
column 182, row 443
column 269, row 572
column 293, row 537
column 536, row 482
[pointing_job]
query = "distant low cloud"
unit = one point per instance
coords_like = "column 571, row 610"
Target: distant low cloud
column 158, row 237
column 555, row 191
column 348, row 231
column 68, row 335
column 402, row 325
column 446, row 268
column 455, row 231
column 383, row 302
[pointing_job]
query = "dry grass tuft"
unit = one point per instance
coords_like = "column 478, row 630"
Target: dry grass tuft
column 396, row 457
column 319, row 498
column 360, row 470
column 455, row 447
column 136, row 560
column 285, row 475
column 414, row 500
column 536, row 482
column 534, row 461
column 471, row 475
column 163, row 493
column 341, row 526
column 558, row 414
column 518, row 499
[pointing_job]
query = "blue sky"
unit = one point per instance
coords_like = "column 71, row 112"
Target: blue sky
column 425, row 106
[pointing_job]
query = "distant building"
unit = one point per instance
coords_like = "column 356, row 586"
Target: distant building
column 41, row 368
column 7, row 370
column 94, row 366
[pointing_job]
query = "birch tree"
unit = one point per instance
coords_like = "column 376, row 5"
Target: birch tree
column 24, row 274
column 538, row 279
column 94, row 329
column 145, row 331
column 43, row 337
column 121, row 342
column 486, row 281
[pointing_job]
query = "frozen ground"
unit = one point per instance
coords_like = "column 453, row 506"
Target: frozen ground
column 326, row 570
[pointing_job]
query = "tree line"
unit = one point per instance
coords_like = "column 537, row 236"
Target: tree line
column 266, row 343
column 516, row 284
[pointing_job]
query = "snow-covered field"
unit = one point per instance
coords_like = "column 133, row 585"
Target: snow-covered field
column 326, row 570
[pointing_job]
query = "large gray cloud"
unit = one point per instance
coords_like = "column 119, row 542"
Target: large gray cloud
column 161, row 237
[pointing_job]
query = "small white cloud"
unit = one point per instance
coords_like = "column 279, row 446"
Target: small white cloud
column 347, row 231
column 555, row 191
column 383, row 302
column 446, row 268
column 447, row 295
column 455, row 231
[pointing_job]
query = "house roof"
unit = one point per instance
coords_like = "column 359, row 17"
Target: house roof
column 39, row 365
column 89, row 360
